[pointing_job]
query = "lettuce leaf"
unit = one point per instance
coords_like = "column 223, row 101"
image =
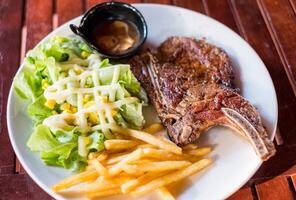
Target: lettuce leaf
column 27, row 85
column 129, row 81
column 132, row 114
column 126, row 78
column 38, row 111
column 42, row 139
column 97, row 141
column 54, row 152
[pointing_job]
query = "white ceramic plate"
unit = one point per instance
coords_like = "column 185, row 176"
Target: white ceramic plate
column 235, row 160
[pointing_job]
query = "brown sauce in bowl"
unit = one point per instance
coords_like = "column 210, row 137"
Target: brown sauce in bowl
column 115, row 36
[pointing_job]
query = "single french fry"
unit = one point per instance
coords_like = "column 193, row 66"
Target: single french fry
column 75, row 179
column 132, row 184
column 110, row 192
column 165, row 194
column 102, row 156
column 146, row 146
column 92, row 155
column 120, row 144
column 117, row 168
column 172, row 177
column 143, row 161
column 103, row 184
column 190, row 147
column 89, row 167
column 99, row 167
column 156, row 166
column 165, row 139
column 132, row 171
column 165, row 155
column 71, row 194
column 146, row 137
column 115, row 158
column 154, row 128
column 99, row 155
column 199, row 151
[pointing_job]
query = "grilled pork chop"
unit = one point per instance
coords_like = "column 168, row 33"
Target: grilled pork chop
column 190, row 83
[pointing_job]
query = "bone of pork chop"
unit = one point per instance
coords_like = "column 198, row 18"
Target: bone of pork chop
column 190, row 83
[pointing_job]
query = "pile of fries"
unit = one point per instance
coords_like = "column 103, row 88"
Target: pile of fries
column 139, row 163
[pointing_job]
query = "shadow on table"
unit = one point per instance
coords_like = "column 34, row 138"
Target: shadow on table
column 283, row 163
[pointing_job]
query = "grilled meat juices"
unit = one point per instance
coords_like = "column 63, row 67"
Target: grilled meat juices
column 190, row 83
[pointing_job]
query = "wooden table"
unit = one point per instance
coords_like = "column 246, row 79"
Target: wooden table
column 268, row 25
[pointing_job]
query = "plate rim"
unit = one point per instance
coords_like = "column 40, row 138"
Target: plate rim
column 9, row 100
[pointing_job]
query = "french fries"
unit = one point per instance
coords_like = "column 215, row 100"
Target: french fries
column 120, row 144
column 172, row 177
column 154, row 128
column 199, row 152
column 157, row 166
column 150, row 139
column 144, row 163
column 74, row 180
column 115, row 158
column 190, row 147
column 104, row 184
column 165, row 194
column 110, row 192
column 130, row 185
column 117, row 168
column 99, row 167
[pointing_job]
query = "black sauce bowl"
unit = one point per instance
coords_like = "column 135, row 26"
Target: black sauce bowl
column 111, row 11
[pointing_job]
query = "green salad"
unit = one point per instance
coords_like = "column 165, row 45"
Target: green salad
column 75, row 98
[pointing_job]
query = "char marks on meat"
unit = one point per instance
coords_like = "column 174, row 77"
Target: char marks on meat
column 190, row 83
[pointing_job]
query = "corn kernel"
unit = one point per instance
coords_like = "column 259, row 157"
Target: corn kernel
column 77, row 70
column 93, row 117
column 113, row 112
column 44, row 84
column 66, row 107
column 86, row 98
column 73, row 109
column 70, row 120
column 87, row 140
column 50, row 103
column 84, row 54
column 104, row 99
column 89, row 104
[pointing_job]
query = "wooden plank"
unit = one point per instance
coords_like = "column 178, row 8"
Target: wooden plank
column 158, row 1
column 246, row 12
column 10, row 34
column 21, row 187
column 68, row 9
column 34, row 191
column 91, row 3
column 276, row 188
column 280, row 19
column 38, row 24
column 293, row 4
column 13, row 187
column 283, row 163
column 293, row 177
column 195, row 5
column 38, row 21
column 220, row 10
column 244, row 193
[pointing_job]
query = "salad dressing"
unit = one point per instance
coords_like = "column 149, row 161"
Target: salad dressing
column 115, row 36
column 104, row 109
column 78, row 102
